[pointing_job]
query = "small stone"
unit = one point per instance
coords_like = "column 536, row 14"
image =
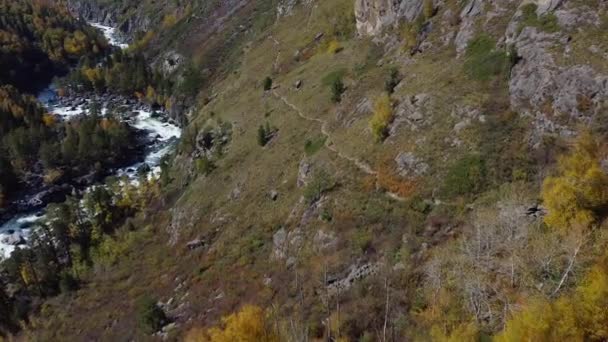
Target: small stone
column 194, row 244
column 274, row 195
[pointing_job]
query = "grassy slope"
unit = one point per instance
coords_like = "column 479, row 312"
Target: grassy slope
column 370, row 226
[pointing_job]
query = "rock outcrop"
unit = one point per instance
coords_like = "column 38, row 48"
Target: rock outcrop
column 372, row 16
column 545, row 90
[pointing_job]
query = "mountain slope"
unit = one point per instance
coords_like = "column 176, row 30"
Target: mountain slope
column 394, row 178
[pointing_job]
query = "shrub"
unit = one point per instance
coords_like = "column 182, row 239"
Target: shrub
column 466, row 176
column 267, row 83
column 363, row 239
column 392, row 81
column 265, row 133
column 503, row 144
column 169, row 21
column 337, row 89
column 483, row 61
column 409, row 34
column 382, row 118
column 334, row 81
column 320, row 183
column 334, row 47
column 428, row 9
column 150, row 317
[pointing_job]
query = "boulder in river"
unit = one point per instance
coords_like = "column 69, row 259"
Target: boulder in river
column 14, row 239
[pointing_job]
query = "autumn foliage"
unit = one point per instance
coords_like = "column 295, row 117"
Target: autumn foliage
column 581, row 316
column 577, row 193
column 382, row 118
column 250, row 324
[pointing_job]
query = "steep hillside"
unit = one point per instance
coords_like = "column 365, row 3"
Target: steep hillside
column 365, row 171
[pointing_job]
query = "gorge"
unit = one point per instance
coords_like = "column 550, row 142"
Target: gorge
column 158, row 135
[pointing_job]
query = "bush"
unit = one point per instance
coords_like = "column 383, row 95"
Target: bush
column 506, row 153
column 334, row 81
column 321, row 183
column 392, row 81
column 150, row 317
column 267, row 83
column 334, row 47
column 483, row 61
column 363, row 239
column 466, row 176
column 265, row 133
column 337, row 89
column 382, row 118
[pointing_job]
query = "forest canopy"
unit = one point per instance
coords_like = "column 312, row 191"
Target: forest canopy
column 38, row 39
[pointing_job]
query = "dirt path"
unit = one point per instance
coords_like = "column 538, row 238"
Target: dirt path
column 361, row 165
column 329, row 144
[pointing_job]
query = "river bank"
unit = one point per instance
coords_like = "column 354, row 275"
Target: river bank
column 156, row 135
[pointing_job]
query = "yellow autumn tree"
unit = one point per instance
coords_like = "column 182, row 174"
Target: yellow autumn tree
column 383, row 116
column 48, row 120
column 150, row 94
column 592, row 304
column 250, row 324
column 578, row 316
column 579, row 190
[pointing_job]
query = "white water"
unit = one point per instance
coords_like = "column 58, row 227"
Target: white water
column 111, row 36
column 19, row 227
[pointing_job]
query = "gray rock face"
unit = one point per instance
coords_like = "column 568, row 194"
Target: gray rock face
column 304, row 172
column 539, row 86
column 195, row 244
column 467, row 26
column 410, row 111
column 286, row 244
column 408, row 165
column 169, row 62
column 374, row 15
column 577, row 17
column 464, row 36
column 545, row 6
column 285, row 7
column 324, row 241
column 355, row 274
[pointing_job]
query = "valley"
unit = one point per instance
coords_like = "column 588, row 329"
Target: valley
column 303, row 170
